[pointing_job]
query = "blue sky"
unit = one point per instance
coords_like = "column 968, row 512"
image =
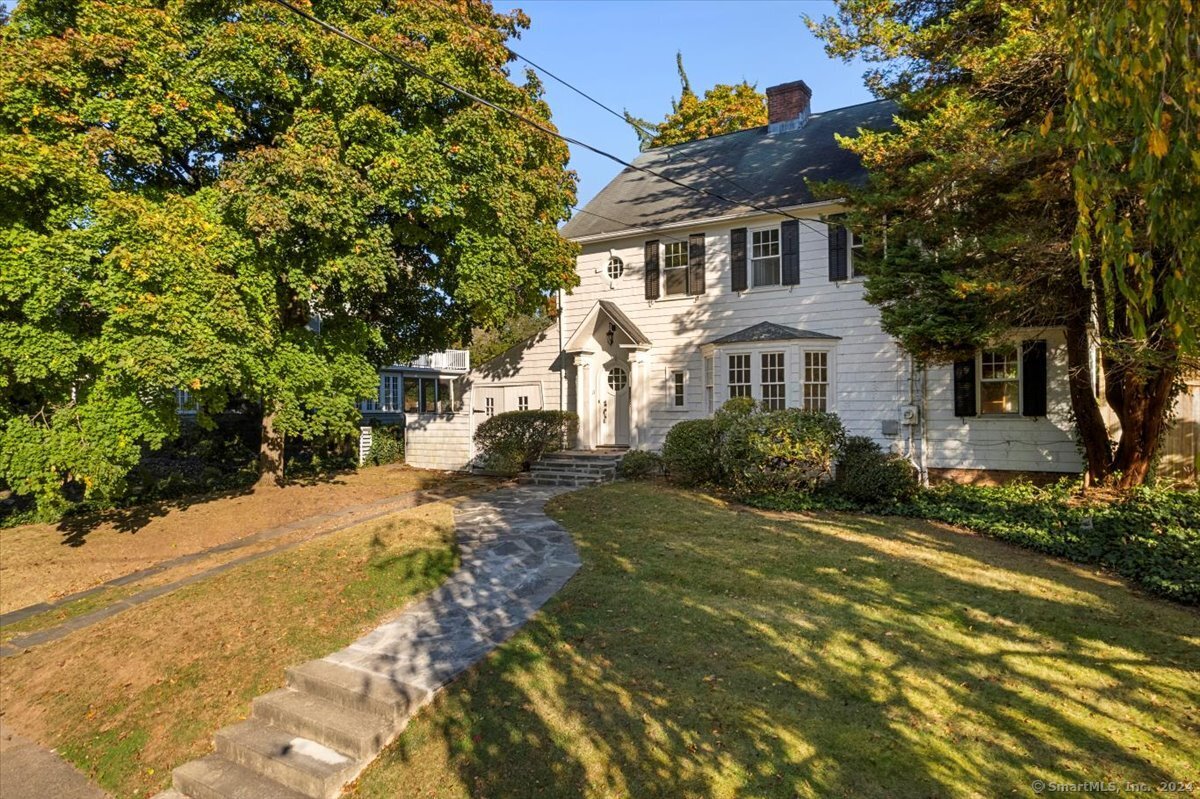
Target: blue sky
column 622, row 52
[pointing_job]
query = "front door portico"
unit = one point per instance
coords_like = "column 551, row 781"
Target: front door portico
column 605, row 346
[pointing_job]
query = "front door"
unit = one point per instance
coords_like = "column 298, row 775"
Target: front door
column 614, row 406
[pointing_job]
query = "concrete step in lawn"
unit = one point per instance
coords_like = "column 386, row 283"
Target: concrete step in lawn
column 294, row 762
column 214, row 777
column 353, row 732
column 573, row 469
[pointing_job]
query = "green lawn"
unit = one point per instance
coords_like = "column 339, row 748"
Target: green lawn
column 709, row 650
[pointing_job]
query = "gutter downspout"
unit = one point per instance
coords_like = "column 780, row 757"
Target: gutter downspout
column 924, row 465
column 562, row 358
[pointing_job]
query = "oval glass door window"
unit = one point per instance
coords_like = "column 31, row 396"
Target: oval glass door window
column 618, row 379
column 616, row 268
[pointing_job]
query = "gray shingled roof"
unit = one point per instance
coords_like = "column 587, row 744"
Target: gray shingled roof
column 774, row 167
column 769, row 331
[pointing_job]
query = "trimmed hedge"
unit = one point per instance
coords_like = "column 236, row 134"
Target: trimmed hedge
column 689, row 452
column 510, row 442
column 872, row 478
column 638, row 464
column 778, row 451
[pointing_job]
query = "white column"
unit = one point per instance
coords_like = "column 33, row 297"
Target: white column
column 585, row 400
column 639, row 398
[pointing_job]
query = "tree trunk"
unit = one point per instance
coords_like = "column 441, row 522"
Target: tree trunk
column 1097, row 447
column 1147, row 401
column 270, row 453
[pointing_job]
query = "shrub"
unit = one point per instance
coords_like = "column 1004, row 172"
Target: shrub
column 387, row 445
column 689, row 452
column 639, row 464
column 509, row 442
column 872, row 478
column 777, row 451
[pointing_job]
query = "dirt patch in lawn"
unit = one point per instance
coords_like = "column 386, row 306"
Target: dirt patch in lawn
column 41, row 562
column 135, row 695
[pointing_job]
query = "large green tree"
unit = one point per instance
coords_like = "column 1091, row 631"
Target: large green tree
column 976, row 211
column 725, row 108
column 224, row 198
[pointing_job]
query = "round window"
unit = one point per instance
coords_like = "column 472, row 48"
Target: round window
column 616, row 268
column 617, row 379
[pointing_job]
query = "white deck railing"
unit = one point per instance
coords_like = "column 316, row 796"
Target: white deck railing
column 444, row 361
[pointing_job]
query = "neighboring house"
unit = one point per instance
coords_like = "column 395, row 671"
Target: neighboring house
column 429, row 397
column 684, row 302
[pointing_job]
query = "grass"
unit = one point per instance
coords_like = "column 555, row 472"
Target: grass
column 133, row 696
column 40, row 562
column 707, row 650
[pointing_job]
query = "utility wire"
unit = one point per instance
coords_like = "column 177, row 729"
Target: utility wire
column 411, row 67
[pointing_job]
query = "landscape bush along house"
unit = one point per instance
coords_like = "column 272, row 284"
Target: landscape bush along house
column 684, row 303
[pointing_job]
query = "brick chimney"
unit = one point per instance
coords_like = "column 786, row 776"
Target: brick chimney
column 788, row 106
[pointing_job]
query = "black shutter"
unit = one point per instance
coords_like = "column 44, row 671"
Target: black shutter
column 737, row 258
column 789, row 250
column 696, row 263
column 838, row 249
column 964, row 387
column 1033, row 376
column 652, row 270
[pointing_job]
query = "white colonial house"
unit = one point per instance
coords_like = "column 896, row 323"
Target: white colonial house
column 685, row 301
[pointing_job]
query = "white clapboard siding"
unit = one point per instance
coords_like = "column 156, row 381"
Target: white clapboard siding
column 870, row 373
column 438, row 441
column 530, row 369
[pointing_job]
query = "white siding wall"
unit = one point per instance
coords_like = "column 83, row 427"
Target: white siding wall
column 440, row 441
column 1022, row 443
column 527, row 370
column 870, row 377
column 871, row 372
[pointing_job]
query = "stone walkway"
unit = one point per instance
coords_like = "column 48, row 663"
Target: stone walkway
column 28, row 770
column 337, row 713
column 346, row 517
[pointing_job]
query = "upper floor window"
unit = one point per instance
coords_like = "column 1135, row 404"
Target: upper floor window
column 999, row 380
column 816, row 381
column 774, row 381
column 764, row 257
column 739, row 376
column 675, row 268
column 856, row 248
column 616, row 268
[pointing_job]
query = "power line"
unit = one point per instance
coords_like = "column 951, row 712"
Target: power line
column 509, row 112
column 630, row 121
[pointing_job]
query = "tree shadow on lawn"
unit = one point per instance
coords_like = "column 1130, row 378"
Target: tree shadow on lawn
column 704, row 651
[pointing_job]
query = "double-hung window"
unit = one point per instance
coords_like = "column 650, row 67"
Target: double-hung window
column 816, row 381
column 523, row 403
column 675, row 268
column 764, row 257
column 999, row 380
column 739, row 375
column 489, row 407
column 774, row 381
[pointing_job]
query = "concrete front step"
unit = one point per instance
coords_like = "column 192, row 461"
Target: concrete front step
column 298, row 763
column 353, row 732
column 215, row 777
column 573, row 482
column 358, row 690
column 562, row 471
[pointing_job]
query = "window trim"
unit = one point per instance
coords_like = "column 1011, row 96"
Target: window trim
column 853, row 244
column 804, row 381
column 489, row 407
column 665, row 269
column 677, row 381
column 750, row 259
column 781, row 383
column 749, row 369
column 522, row 402
column 979, row 381
column 710, row 383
